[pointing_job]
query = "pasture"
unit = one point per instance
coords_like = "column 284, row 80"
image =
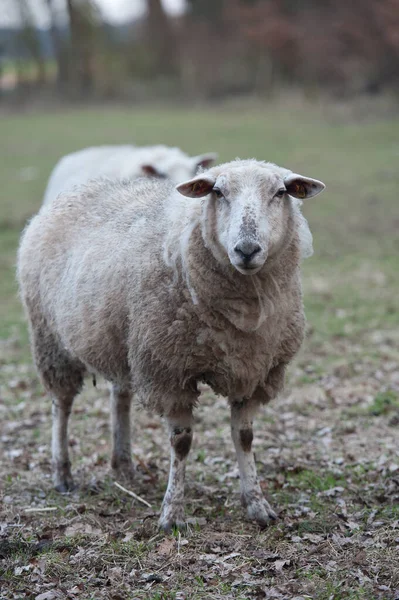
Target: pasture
column 327, row 450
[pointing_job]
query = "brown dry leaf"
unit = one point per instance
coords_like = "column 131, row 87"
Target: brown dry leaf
column 114, row 573
column 296, row 539
column 209, row 558
column 360, row 558
column 50, row 595
column 81, row 528
column 151, row 578
column 279, row 564
column 166, row 547
column 343, row 508
column 231, row 555
column 352, row 525
column 272, row 593
column 196, row 521
column 76, row 589
column 313, row 537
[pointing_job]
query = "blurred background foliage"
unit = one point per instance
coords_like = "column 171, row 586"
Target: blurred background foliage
column 214, row 49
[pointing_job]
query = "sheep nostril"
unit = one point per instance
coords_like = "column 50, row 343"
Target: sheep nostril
column 247, row 250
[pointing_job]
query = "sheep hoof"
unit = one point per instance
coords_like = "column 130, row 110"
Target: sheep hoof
column 171, row 519
column 261, row 512
column 63, row 487
column 124, row 471
column 168, row 526
column 62, row 477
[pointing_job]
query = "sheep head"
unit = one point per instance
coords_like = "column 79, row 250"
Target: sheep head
column 175, row 165
column 247, row 210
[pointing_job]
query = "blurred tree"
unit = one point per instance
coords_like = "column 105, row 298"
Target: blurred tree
column 29, row 41
column 271, row 31
column 374, row 42
column 60, row 46
column 210, row 10
column 161, row 40
column 222, row 47
column 84, row 18
column 214, row 57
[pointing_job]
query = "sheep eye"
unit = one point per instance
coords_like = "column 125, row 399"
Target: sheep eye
column 280, row 193
column 218, row 192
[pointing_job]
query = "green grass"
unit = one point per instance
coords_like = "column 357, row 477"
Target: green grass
column 316, row 482
column 384, row 403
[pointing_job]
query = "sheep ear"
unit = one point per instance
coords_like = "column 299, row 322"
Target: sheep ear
column 303, row 187
column 151, row 171
column 196, row 188
column 204, row 160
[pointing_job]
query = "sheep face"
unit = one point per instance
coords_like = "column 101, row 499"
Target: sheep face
column 247, row 212
column 177, row 166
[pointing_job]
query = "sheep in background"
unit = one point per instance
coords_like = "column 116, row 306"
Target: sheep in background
column 123, row 162
column 158, row 290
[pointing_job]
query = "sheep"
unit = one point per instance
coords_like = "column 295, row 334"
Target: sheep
column 123, row 162
column 159, row 288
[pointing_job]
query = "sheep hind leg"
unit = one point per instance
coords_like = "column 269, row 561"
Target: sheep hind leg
column 61, row 410
column 121, row 458
column 181, row 435
column 62, row 377
column 258, row 509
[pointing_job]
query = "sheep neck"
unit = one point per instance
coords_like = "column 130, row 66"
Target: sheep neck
column 246, row 301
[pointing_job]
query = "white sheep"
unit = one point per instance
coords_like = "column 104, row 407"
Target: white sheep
column 158, row 290
column 123, row 162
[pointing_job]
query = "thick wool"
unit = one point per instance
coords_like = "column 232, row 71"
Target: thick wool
column 124, row 279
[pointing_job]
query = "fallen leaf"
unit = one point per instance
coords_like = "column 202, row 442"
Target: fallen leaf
column 81, row 528
column 196, row 521
column 50, row 595
column 20, row 570
column 279, row 564
column 232, row 555
column 166, row 547
column 313, row 537
column 151, row 577
column 76, row 589
column 360, row 558
column 332, row 491
column 352, row 525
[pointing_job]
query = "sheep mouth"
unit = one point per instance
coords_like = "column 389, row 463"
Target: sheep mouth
column 248, row 269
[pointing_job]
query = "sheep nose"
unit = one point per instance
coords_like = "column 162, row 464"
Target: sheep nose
column 247, row 250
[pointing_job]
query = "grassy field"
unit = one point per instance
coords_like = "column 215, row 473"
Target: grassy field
column 327, row 451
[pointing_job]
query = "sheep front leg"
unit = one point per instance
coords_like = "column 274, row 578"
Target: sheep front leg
column 121, row 458
column 61, row 409
column 181, row 435
column 258, row 509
